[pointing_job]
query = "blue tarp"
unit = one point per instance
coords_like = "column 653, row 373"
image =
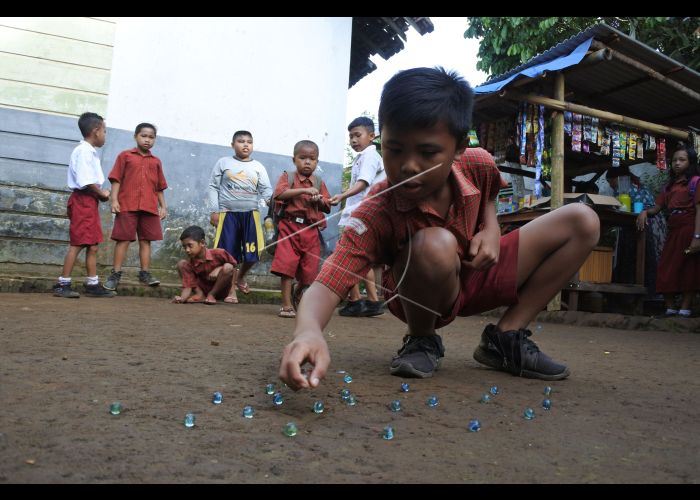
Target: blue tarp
column 571, row 59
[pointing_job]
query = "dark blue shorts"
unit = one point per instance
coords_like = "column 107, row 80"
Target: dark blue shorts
column 241, row 235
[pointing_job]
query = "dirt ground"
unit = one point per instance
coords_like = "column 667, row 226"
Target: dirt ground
column 628, row 413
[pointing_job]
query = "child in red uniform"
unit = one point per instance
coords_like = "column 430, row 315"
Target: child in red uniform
column 299, row 247
column 209, row 272
column 679, row 272
column 138, row 202
column 85, row 178
column 433, row 224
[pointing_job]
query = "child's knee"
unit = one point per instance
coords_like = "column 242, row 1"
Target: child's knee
column 227, row 269
column 92, row 249
column 435, row 249
column 586, row 222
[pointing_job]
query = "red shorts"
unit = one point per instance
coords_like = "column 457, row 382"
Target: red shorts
column 128, row 224
column 299, row 256
column 480, row 290
column 84, row 215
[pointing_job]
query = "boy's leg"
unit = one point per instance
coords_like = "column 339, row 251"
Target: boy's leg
column 63, row 287
column 428, row 288
column 252, row 240
column 286, row 285
column 92, row 285
column 148, row 229
column 120, row 249
column 91, row 261
column 222, row 284
column 355, row 306
column 145, row 254
column 551, row 249
column 373, row 306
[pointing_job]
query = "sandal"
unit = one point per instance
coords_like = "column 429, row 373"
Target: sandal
column 208, row 302
column 243, row 287
column 231, row 300
column 287, row 312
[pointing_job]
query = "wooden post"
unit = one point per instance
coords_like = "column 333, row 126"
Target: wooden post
column 557, row 199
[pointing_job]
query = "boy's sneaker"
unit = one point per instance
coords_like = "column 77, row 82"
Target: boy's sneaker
column 113, row 281
column 65, row 291
column 146, row 278
column 97, row 291
column 419, row 356
column 373, row 308
column 515, row 353
column 353, row 308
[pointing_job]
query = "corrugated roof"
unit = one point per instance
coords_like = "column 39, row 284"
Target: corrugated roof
column 613, row 85
column 380, row 35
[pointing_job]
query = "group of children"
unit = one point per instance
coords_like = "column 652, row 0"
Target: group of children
column 236, row 187
column 427, row 218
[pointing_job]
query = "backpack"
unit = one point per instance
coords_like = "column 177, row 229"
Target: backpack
column 276, row 212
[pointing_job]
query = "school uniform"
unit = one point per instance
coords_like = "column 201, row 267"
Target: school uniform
column 84, row 169
column 380, row 227
column 677, row 271
column 298, row 252
column 195, row 272
column 141, row 179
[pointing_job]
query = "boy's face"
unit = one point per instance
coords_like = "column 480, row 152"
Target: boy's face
column 306, row 160
column 360, row 138
column 193, row 248
column 145, row 139
column 99, row 135
column 243, row 146
column 409, row 153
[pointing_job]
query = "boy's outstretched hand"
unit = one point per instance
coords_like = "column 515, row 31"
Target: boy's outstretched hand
column 308, row 347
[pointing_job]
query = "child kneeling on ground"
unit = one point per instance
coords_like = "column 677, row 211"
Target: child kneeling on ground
column 210, row 273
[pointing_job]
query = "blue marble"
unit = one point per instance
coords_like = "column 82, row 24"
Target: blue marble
column 395, row 405
column 547, row 391
column 529, row 414
column 432, row 401
column 388, row 433
column 494, row 390
column 189, row 420
column 248, row 411
column 218, row 398
column 474, row 426
column 486, row 398
column 546, row 404
column 318, row 407
column 290, row 429
column 278, row 398
column 115, row 408
column 404, row 387
column 270, row 389
column 351, row 401
column 347, row 379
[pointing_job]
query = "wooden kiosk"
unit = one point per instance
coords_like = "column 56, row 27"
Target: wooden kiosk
column 618, row 81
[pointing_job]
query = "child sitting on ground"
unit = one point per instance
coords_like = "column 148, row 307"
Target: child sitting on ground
column 210, row 273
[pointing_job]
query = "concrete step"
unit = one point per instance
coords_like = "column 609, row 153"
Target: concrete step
column 43, row 284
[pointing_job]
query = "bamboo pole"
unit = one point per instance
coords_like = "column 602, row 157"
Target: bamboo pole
column 604, row 115
column 557, row 199
column 646, row 69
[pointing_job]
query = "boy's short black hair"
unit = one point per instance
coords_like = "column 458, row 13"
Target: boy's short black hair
column 141, row 126
column 89, row 122
column 422, row 97
column 195, row 233
column 303, row 143
column 362, row 121
column 240, row 133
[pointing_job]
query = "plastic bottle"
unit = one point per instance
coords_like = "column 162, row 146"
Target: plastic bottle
column 269, row 229
column 626, row 201
column 637, row 203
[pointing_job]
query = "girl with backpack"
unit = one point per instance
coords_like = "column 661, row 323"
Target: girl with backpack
column 679, row 266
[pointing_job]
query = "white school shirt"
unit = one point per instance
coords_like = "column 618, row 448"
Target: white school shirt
column 369, row 167
column 84, row 167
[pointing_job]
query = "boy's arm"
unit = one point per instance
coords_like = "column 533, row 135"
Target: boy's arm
column 264, row 185
column 293, row 193
column 324, row 200
column 98, row 192
column 317, row 306
column 213, row 194
column 162, row 209
column 184, row 295
column 359, row 186
column 485, row 246
column 115, row 197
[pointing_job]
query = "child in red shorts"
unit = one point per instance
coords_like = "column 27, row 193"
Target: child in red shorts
column 85, row 178
column 210, row 273
column 299, row 245
column 138, row 202
column 432, row 224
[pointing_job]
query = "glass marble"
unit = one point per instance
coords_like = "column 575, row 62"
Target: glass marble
column 189, row 420
column 290, row 429
column 432, row 401
column 474, row 426
column 318, row 407
column 248, row 411
column 395, row 405
column 218, row 398
column 115, row 408
column 278, row 398
column 388, row 433
column 547, row 404
column 529, row 414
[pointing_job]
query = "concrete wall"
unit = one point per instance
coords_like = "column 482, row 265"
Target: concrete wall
column 198, row 80
column 201, row 79
column 34, row 153
column 56, row 65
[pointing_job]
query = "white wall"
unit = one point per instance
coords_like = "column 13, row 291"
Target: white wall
column 201, row 79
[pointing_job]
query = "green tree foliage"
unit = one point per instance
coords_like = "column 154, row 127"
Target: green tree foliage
column 508, row 42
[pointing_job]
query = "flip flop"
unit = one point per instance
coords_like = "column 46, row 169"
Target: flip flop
column 209, row 302
column 193, row 300
column 243, row 287
column 287, row 313
column 231, row 300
